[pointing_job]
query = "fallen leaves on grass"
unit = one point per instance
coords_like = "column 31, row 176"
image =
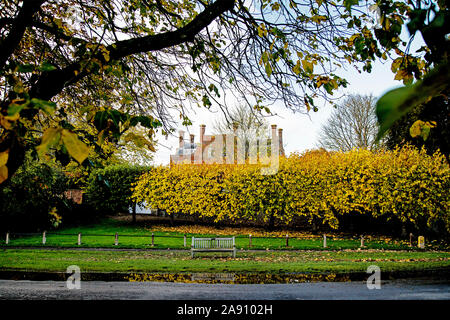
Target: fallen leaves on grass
column 234, row 278
column 243, row 231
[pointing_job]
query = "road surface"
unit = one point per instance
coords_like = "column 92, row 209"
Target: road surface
column 99, row 290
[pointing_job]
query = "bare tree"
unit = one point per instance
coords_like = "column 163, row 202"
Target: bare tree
column 353, row 124
column 248, row 125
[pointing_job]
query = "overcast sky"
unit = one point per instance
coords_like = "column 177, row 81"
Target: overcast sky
column 300, row 131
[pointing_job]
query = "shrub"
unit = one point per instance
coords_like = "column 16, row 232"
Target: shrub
column 404, row 187
column 109, row 189
column 33, row 198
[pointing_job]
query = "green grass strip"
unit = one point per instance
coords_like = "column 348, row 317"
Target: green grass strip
column 180, row 261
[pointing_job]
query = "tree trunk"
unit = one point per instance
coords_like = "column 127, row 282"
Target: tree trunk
column 9, row 140
column 134, row 212
column 271, row 222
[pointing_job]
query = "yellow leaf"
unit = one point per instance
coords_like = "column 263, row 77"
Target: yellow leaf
column 4, row 157
column 3, row 173
column 308, row 66
column 318, row 18
column 106, row 56
column 77, row 149
column 6, row 122
column 262, row 31
column 296, row 69
column 401, row 74
column 421, row 128
column 14, row 117
column 50, row 138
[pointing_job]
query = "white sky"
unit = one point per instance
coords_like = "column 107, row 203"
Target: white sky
column 300, row 131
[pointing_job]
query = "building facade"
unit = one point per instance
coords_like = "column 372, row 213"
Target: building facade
column 226, row 148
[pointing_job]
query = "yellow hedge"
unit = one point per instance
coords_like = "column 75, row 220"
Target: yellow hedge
column 404, row 184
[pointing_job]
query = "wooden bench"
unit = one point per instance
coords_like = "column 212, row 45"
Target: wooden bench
column 213, row 245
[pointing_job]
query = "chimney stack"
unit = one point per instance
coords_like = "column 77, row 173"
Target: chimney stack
column 192, row 145
column 280, row 141
column 181, row 139
column 274, row 132
column 202, row 132
column 202, row 141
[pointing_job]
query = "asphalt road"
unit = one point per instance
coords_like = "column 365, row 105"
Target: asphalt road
column 99, row 290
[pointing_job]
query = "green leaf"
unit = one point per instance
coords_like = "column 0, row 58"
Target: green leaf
column 212, row 87
column 329, row 88
column 392, row 106
column 45, row 66
column 25, row 68
column 395, row 103
column 206, row 102
column 77, row 149
column 262, row 30
column 268, row 70
column 349, row 3
column 48, row 106
column 139, row 141
column 421, row 128
column 13, row 109
column 100, row 120
column 265, row 57
column 308, row 66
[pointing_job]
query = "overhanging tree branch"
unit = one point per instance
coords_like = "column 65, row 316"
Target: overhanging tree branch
column 52, row 83
column 21, row 22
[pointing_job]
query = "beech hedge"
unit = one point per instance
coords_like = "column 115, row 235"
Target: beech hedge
column 403, row 188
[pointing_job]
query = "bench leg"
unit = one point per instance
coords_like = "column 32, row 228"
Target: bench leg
column 192, row 254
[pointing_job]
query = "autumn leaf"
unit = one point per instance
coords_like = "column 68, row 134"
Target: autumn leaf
column 3, row 173
column 4, row 157
column 421, row 128
column 397, row 102
column 3, row 168
column 50, row 138
column 268, row 69
column 77, row 149
column 308, row 66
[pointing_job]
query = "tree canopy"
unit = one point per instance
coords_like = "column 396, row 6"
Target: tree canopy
column 430, row 20
column 411, row 128
column 76, row 75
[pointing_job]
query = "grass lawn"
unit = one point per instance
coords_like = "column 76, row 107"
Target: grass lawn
column 341, row 256
column 139, row 236
column 245, row 262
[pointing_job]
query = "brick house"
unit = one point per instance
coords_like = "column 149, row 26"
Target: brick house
column 203, row 151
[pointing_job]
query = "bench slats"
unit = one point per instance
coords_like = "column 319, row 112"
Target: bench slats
column 213, row 244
